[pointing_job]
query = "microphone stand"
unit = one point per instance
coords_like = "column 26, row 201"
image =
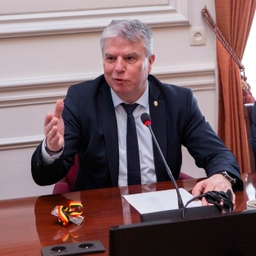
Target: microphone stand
column 180, row 202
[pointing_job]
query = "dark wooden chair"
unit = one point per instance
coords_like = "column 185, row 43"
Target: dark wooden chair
column 248, row 122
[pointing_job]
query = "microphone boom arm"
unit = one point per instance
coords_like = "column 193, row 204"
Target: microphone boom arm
column 180, row 202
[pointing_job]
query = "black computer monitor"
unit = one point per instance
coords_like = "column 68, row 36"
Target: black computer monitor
column 225, row 234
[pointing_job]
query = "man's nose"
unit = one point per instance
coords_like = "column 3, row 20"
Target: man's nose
column 120, row 65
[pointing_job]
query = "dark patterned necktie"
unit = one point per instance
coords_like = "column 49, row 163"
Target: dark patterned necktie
column 132, row 148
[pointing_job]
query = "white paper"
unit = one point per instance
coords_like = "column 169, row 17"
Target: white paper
column 159, row 200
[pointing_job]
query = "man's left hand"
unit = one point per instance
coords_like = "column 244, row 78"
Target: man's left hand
column 216, row 182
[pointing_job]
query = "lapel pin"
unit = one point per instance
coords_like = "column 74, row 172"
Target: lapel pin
column 155, row 103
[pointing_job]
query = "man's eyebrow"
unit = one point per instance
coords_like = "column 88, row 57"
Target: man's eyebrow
column 132, row 53
column 108, row 54
column 128, row 54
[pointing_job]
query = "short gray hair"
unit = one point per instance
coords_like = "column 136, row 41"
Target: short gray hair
column 132, row 30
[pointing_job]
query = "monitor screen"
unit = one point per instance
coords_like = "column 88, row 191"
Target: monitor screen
column 225, row 234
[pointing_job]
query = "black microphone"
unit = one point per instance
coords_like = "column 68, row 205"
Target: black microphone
column 177, row 214
column 146, row 120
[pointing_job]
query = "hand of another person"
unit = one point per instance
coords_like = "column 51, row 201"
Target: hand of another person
column 54, row 128
column 216, row 182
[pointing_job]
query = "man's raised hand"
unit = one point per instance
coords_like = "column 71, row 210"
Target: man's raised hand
column 54, row 128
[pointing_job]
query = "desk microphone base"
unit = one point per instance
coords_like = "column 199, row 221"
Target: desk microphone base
column 176, row 215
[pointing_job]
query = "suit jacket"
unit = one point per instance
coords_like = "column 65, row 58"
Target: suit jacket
column 91, row 131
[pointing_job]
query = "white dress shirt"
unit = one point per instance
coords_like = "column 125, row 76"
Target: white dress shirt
column 147, row 165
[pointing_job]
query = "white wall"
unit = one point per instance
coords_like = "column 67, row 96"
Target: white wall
column 44, row 49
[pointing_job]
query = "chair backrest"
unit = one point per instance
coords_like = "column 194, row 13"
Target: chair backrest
column 248, row 123
column 71, row 176
column 65, row 185
column 184, row 176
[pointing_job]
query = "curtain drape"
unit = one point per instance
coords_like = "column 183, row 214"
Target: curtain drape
column 234, row 19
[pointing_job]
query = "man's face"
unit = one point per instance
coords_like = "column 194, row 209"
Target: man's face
column 126, row 67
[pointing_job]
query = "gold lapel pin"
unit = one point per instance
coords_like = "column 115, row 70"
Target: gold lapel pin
column 155, row 103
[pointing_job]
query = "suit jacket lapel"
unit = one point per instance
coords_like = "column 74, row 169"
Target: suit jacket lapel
column 108, row 119
column 158, row 118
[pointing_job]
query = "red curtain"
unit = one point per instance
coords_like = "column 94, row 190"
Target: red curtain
column 234, row 19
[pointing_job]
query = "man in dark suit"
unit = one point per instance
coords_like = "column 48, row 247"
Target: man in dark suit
column 92, row 123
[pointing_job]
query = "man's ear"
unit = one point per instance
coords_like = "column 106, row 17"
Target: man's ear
column 151, row 60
